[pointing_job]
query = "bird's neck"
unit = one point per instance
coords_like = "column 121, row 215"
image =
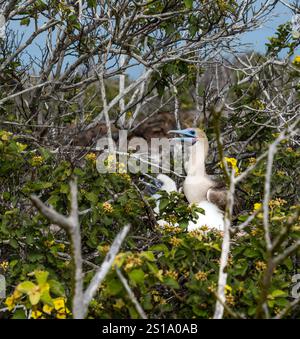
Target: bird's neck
column 196, row 162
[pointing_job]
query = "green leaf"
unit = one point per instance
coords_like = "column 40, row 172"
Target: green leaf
column 46, row 298
column 25, row 22
column 114, row 287
column 56, row 288
column 148, row 255
column 137, row 276
column 171, row 282
column 92, row 197
column 26, row 287
column 41, row 277
column 160, row 248
column 163, row 203
column 251, row 253
column 19, row 314
column 188, row 4
column 64, row 188
column 278, row 293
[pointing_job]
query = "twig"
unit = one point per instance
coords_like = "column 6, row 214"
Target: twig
column 131, row 294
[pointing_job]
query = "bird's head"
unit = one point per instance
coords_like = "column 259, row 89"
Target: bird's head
column 190, row 135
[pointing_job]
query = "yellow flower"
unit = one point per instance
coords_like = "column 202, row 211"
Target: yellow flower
column 107, row 207
column 198, row 234
column 175, row 241
column 119, row 259
column 5, row 136
column 172, row 274
column 233, row 164
column 91, row 157
column 104, row 248
column 4, row 265
column 132, row 261
column 59, row 304
column 61, row 315
column 260, row 266
column 296, row 60
column 10, row 302
column 257, row 206
column 201, row 276
column 37, row 160
column 35, row 314
column 47, row 309
column 230, row 299
column 277, row 202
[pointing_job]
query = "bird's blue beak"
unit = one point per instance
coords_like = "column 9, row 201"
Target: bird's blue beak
column 187, row 134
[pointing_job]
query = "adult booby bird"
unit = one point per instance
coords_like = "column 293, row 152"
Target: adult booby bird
column 198, row 187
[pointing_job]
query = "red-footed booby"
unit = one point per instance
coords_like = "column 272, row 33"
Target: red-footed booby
column 198, row 187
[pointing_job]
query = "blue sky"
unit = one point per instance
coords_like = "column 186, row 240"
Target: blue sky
column 249, row 41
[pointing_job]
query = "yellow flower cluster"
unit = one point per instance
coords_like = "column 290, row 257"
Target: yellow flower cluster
column 198, row 234
column 104, row 248
column 37, row 160
column 59, row 305
column 107, row 207
column 277, row 202
column 172, row 219
column 172, row 274
column 10, row 301
column 58, row 308
column 132, row 261
column 201, row 276
column 260, row 266
column 212, row 287
column 167, row 228
column 230, row 299
column 252, row 161
column 92, row 157
column 4, row 265
column 296, row 60
column 232, row 162
column 175, row 241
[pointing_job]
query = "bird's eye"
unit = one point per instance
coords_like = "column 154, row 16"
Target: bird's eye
column 192, row 132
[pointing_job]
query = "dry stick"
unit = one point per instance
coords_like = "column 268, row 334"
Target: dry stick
column 104, row 269
column 131, row 294
column 219, row 311
column 176, row 106
column 72, row 227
